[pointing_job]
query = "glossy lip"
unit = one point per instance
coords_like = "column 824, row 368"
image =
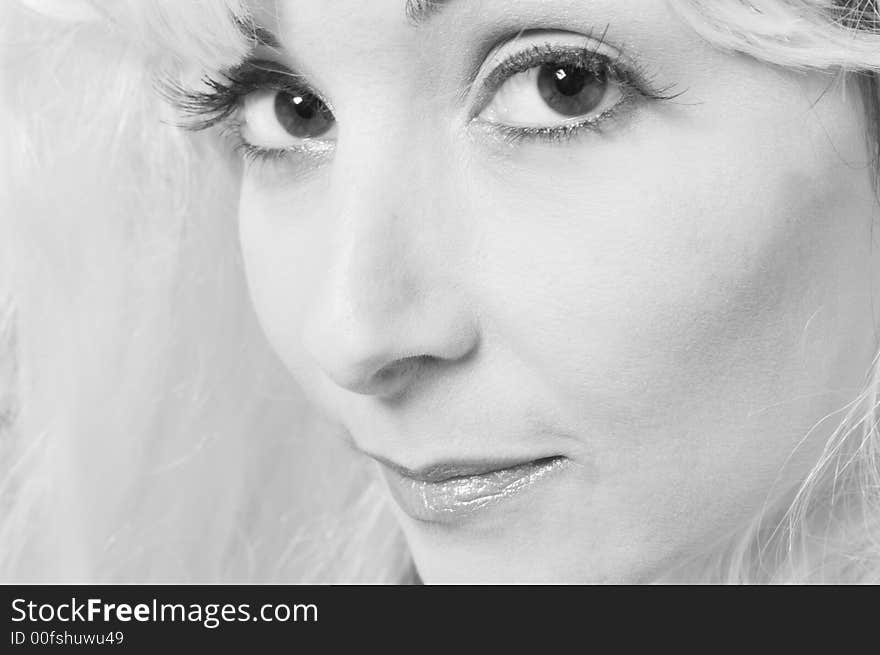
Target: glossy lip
column 451, row 491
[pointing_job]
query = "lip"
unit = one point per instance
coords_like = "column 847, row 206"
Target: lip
column 450, row 491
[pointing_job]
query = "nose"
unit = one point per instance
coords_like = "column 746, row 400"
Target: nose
column 390, row 310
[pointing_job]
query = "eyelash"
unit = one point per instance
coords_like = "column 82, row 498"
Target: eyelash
column 222, row 99
column 219, row 103
column 204, row 109
column 635, row 81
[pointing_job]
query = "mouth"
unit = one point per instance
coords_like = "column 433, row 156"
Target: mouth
column 450, row 491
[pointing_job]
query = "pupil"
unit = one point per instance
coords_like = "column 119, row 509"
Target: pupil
column 569, row 80
column 302, row 115
column 305, row 108
column 571, row 90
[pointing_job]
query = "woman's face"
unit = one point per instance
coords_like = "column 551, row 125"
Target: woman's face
column 578, row 281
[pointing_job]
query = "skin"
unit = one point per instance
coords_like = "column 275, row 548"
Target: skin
column 671, row 302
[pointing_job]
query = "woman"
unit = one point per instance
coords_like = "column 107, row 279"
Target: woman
column 570, row 291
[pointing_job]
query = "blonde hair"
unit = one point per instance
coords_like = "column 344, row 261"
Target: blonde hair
column 147, row 431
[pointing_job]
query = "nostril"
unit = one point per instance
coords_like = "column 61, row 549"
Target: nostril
column 382, row 354
column 402, row 370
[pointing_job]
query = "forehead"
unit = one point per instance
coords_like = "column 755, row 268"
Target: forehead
column 356, row 22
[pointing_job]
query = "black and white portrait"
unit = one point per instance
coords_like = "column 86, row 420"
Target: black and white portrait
column 462, row 291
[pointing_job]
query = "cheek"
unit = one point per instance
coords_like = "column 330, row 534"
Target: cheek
column 283, row 250
column 699, row 292
column 636, row 281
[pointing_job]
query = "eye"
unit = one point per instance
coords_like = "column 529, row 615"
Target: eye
column 553, row 94
column 279, row 119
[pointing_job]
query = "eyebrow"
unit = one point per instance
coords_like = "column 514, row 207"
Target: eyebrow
column 259, row 35
column 417, row 11
column 420, row 11
column 266, row 38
